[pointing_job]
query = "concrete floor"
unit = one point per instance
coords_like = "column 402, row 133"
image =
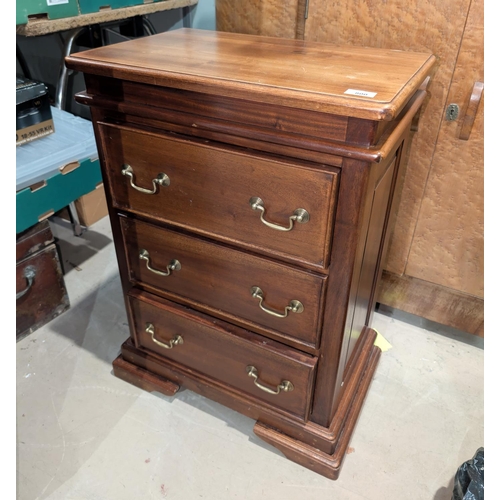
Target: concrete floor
column 83, row 434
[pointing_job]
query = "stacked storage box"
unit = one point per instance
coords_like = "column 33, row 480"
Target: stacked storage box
column 89, row 6
column 57, row 9
column 55, row 170
column 51, row 9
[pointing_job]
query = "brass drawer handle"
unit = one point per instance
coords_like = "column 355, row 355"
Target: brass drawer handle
column 299, row 215
column 29, row 274
column 161, row 180
column 294, row 306
column 284, row 386
column 177, row 340
column 174, row 265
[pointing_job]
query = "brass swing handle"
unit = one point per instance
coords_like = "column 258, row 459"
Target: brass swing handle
column 29, row 274
column 471, row 112
column 300, row 215
column 161, row 180
column 285, row 385
column 174, row 265
column 294, row 306
column 177, row 340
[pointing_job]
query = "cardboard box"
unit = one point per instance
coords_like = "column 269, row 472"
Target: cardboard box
column 33, row 113
column 92, row 207
column 45, row 9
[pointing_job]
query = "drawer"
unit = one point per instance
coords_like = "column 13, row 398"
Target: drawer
column 222, row 278
column 208, row 189
column 33, row 240
column 228, row 354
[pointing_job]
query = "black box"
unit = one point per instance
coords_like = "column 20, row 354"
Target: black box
column 33, row 113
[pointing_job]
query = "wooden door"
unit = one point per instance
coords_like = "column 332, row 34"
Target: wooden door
column 435, row 265
column 424, row 25
column 281, row 18
column 448, row 243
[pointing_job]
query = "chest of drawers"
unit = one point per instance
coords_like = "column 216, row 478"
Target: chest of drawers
column 252, row 183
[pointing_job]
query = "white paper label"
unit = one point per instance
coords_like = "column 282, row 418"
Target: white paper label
column 360, row 93
column 56, row 2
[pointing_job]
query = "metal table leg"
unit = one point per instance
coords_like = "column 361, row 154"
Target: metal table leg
column 62, row 82
column 75, row 220
column 186, row 16
column 148, row 26
column 60, row 103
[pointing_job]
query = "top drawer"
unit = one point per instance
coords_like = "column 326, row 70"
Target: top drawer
column 208, row 189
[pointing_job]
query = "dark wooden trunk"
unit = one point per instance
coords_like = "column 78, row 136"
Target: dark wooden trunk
column 40, row 289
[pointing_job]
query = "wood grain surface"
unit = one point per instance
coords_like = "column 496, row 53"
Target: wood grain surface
column 379, row 213
column 191, row 105
column 240, row 134
column 204, row 217
column 273, row 70
column 448, row 245
column 223, row 351
column 221, row 278
column 408, row 25
column 326, row 464
column 210, row 189
column 434, row 302
column 151, row 366
column 258, row 17
column 142, row 378
column 33, row 239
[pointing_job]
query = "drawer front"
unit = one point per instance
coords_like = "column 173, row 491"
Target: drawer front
column 209, row 189
column 224, row 352
column 223, row 279
column 33, row 240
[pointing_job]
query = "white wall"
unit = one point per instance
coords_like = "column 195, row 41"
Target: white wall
column 202, row 17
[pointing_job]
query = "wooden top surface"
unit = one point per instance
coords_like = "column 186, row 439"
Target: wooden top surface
column 37, row 27
column 294, row 73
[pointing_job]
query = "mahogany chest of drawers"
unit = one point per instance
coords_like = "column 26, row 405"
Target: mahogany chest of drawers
column 251, row 184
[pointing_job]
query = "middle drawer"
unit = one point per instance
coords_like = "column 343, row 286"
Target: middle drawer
column 257, row 292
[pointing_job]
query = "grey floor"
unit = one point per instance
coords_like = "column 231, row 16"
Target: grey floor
column 83, row 434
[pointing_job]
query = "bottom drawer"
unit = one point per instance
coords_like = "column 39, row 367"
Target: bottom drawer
column 275, row 374
column 40, row 291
